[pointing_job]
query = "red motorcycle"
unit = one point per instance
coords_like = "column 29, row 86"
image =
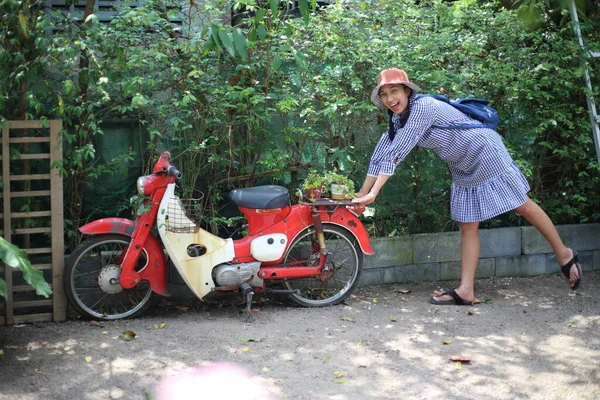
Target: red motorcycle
column 312, row 252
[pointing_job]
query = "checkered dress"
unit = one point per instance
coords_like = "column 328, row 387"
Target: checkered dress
column 485, row 180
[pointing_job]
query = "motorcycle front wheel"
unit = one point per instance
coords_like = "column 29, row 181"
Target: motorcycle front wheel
column 344, row 262
column 91, row 279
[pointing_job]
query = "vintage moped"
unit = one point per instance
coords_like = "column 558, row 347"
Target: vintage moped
column 312, row 252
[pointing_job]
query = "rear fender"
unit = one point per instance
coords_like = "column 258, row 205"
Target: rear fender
column 344, row 218
column 156, row 270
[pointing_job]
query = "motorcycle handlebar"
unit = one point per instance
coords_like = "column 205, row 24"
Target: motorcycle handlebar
column 173, row 171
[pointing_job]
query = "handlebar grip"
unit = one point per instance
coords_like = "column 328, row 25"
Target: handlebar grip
column 173, row 171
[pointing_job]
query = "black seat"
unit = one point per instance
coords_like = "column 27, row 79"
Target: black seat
column 261, row 197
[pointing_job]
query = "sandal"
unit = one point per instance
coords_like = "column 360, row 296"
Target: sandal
column 566, row 269
column 456, row 300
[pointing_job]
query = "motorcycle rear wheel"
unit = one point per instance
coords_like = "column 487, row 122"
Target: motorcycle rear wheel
column 344, row 258
column 91, row 280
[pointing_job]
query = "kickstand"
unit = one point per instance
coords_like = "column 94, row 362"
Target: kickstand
column 247, row 292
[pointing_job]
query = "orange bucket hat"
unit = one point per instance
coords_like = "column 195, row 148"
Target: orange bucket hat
column 392, row 76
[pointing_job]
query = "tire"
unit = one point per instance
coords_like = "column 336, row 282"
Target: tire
column 343, row 255
column 89, row 280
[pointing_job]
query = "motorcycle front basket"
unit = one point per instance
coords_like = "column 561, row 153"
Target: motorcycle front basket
column 184, row 215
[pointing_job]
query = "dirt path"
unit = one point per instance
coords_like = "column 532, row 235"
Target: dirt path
column 533, row 340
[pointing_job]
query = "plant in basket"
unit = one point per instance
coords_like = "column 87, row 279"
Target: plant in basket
column 340, row 186
column 313, row 185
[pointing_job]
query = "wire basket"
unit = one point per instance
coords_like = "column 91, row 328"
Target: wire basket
column 184, row 215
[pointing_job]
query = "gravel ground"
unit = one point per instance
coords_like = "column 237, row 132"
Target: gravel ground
column 530, row 338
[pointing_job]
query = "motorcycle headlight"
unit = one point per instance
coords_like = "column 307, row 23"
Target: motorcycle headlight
column 140, row 185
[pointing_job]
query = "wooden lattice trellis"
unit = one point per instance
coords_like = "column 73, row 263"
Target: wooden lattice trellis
column 32, row 214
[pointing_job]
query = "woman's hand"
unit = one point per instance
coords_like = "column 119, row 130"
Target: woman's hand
column 364, row 199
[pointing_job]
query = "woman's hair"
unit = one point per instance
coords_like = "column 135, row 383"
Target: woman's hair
column 391, row 130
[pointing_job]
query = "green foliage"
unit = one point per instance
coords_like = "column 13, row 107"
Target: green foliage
column 15, row 257
column 272, row 97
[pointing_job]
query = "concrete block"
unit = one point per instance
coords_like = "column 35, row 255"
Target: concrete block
column 527, row 265
column 586, row 259
column 440, row 247
column 500, row 242
column 371, row 277
column 450, row 271
column 596, row 261
column 391, row 252
column 580, row 237
column 416, row 273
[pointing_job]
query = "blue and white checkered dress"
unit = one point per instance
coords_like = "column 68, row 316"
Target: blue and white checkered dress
column 485, row 180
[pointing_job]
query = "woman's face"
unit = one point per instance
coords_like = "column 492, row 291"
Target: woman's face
column 395, row 97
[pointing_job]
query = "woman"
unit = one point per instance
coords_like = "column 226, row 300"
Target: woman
column 485, row 180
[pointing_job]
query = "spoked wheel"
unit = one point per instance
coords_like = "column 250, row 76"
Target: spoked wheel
column 91, row 279
column 344, row 263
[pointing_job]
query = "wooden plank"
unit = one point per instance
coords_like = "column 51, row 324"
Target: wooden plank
column 31, row 177
column 24, row 231
column 56, row 204
column 7, row 220
column 36, row 139
column 39, row 250
column 37, row 124
column 30, row 193
column 42, row 266
column 31, row 318
column 30, row 214
column 24, row 288
column 36, row 156
column 32, row 303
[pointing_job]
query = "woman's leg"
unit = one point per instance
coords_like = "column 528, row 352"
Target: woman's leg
column 469, row 253
column 540, row 220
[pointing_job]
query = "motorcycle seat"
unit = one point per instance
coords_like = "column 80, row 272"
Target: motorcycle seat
column 261, row 197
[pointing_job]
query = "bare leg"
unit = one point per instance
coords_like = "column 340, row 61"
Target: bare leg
column 469, row 253
column 540, row 220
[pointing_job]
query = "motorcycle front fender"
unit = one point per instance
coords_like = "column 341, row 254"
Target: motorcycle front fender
column 156, row 270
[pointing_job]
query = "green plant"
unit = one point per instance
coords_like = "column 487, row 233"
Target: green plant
column 15, row 257
column 344, row 183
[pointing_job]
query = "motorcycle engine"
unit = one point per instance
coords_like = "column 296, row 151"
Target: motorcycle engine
column 236, row 274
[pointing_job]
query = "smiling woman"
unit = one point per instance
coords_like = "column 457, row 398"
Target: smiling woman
column 485, row 180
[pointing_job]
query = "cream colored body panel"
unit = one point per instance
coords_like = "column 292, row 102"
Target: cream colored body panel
column 195, row 271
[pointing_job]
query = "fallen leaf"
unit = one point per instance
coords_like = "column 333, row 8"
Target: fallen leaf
column 181, row 308
column 404, row 291
column 99, row 362
column 393, row 319
column 375, row 300
column 447, row 341
column 359, row 343
column 1, row 352
column 470, row 312
column 128, row 335
column 246, row 340
column 338, row 374
column 326, row 358
column 340, row 381
column 460, row 358
column 105, row 333
column 265, row 369
column 488, row 300
column 88, row 359
column 458, row 365
column 246, row 349
column 577, row 293
column 95, row 323
column 347, row 319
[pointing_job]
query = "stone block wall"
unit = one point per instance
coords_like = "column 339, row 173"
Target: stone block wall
column 504, row 252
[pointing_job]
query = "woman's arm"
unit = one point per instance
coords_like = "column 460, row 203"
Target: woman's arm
column 370, row 189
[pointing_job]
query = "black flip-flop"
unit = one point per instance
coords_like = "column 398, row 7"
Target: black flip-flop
column 456, row 300
column 566, row 269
